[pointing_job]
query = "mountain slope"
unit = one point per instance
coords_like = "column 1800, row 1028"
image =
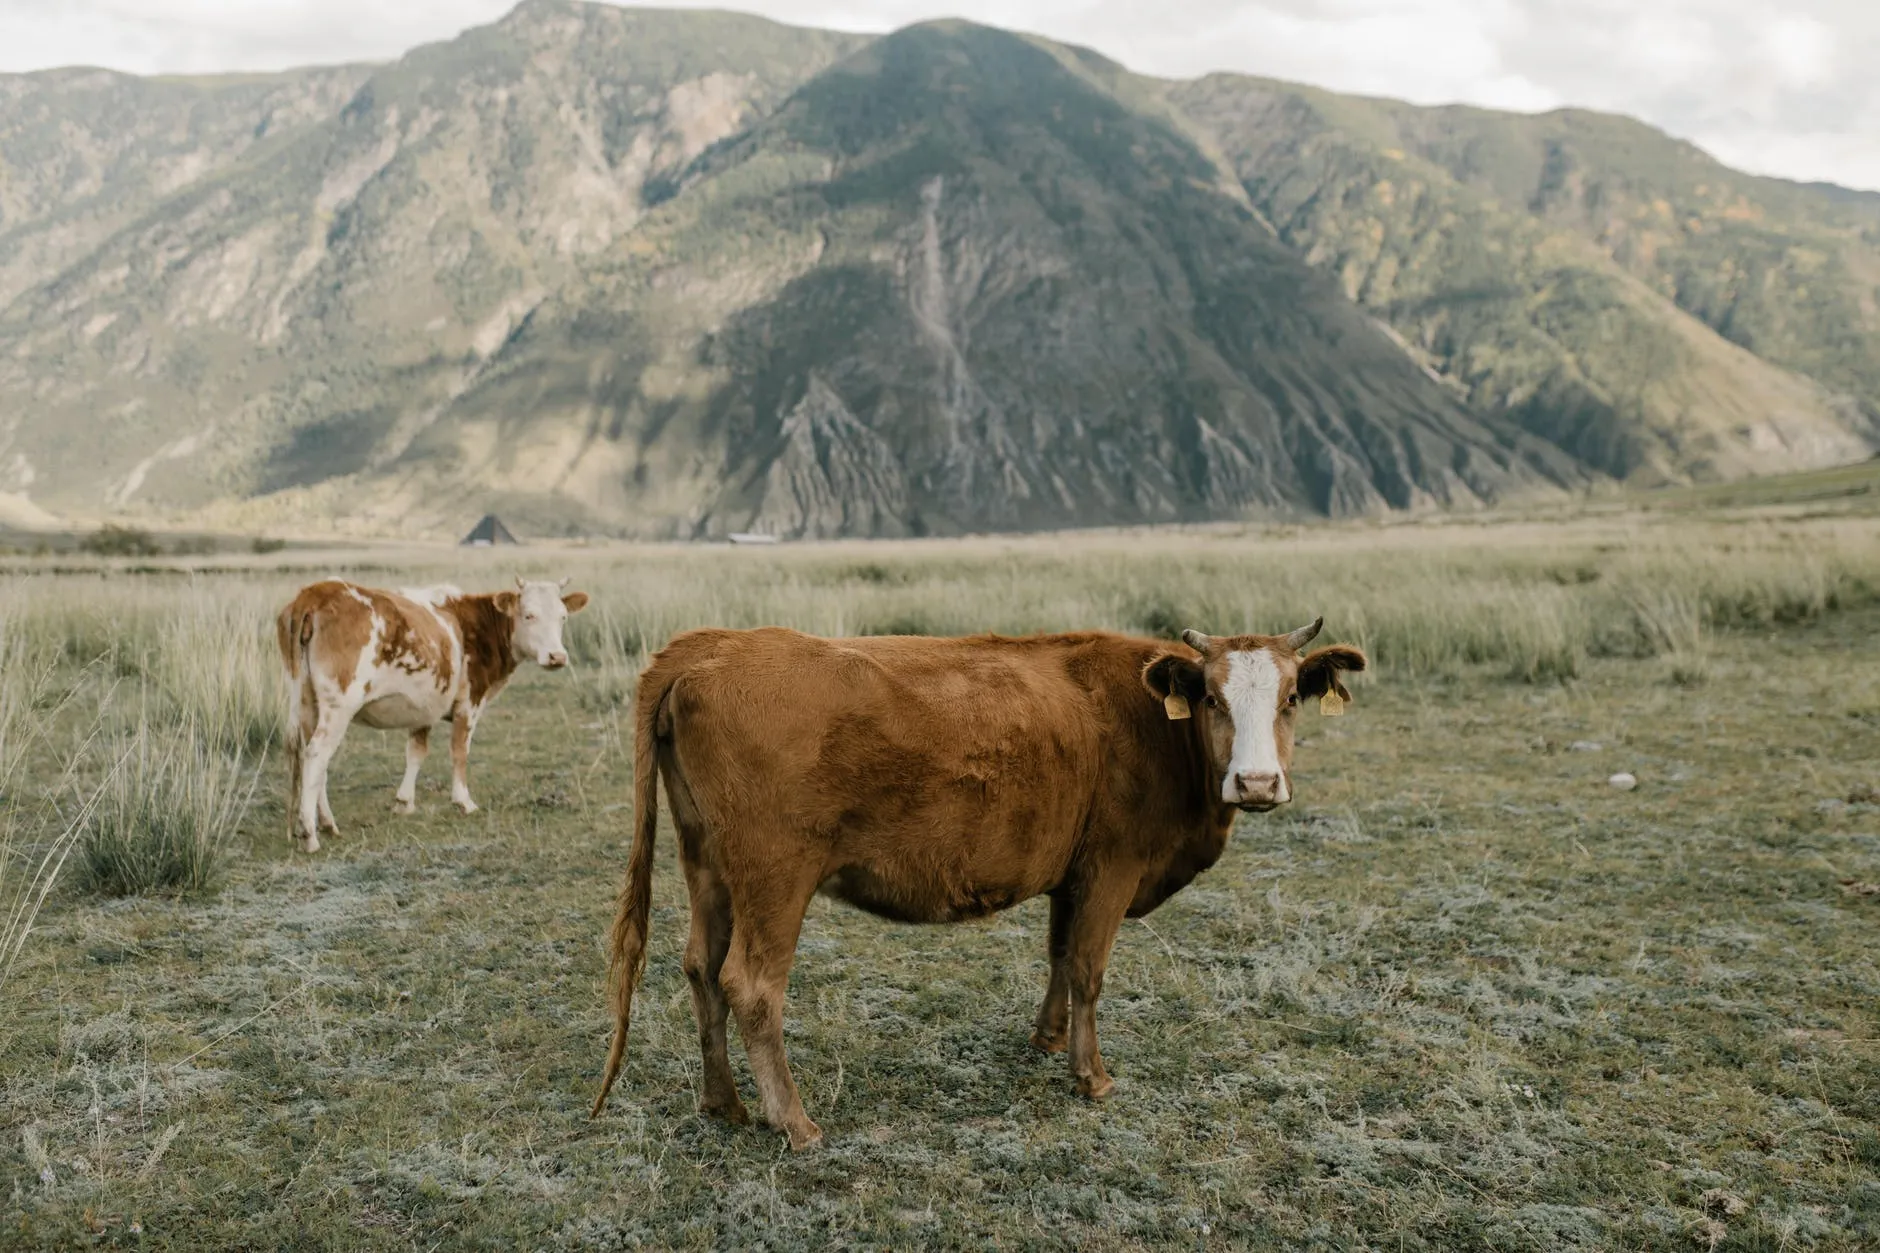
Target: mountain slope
column 680, row 273
column 974, row 288
column 1538, row 261
column 300, row 313
column 82, row 150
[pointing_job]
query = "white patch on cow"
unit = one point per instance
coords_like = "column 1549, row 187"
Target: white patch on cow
column 1252, row 695
column 391, row 697
column 397, row 700
column 433, row 597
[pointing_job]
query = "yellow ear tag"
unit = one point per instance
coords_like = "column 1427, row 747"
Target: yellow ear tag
column 1331, row 705
column 1177, row 706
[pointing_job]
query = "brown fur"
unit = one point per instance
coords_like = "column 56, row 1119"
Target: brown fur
column 925, row 780
column 341, row 624
column 488, row 626
column 412, row 643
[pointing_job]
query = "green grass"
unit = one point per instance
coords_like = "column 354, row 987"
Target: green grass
column 1461, row 995
column 162, row 818
column 1851, row 488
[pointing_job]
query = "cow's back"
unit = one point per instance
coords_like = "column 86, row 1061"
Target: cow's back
column 347, row 634
column 925, row 778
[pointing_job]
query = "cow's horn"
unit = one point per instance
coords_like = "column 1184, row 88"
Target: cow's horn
column 1303, row 636
column 522, row 584
column 566, row 581
column 1196, row 640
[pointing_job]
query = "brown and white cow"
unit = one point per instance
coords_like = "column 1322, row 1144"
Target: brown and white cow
column 931, row 780
column 403, row 660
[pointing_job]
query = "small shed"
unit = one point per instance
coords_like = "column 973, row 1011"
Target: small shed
column 487, row 532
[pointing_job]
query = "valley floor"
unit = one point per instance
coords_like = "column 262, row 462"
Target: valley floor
column 1463, row 994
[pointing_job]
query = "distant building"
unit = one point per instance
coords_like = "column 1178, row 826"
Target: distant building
column 487, row 532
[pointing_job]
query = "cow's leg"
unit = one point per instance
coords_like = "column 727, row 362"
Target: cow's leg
column 302, row 718
column 416, row 747
column 766, row 918
column 328, row 823
column 1095, row 918
column 1053, row 1022
column 461, row 725
column 296, row 753
column 704, row 963
column 315, row 814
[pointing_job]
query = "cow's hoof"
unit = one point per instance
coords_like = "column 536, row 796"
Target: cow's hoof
column 467, row 805
column 732, row 1111
column 807, row 1136
column 309, row 845
column 404, row 807
column 1049, row 1043
column 1095, row 1088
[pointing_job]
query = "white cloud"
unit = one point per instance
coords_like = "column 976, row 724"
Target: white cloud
column 1779, row 86
column 206, row 36
column 1801, row 51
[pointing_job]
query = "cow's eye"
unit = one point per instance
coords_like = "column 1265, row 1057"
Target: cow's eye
column 1292, row 699
column 1210, row 702
column 529, row 617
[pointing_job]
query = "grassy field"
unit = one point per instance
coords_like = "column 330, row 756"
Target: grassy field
column 1462, row 994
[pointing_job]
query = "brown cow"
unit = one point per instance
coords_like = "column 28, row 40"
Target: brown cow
column 403, row 660
column 931, row 780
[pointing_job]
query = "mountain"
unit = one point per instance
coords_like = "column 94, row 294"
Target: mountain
column 663, row 273
column 1611, row 289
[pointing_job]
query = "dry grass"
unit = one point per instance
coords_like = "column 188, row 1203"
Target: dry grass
column 162, row 818
column 1460, row 995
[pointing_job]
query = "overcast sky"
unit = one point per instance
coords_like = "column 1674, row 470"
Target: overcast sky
column 1788, row 87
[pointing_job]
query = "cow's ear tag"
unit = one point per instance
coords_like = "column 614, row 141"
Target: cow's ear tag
column 1177, row 706
column 1331, row 705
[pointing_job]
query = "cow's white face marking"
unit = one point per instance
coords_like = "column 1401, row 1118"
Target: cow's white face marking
column 1251, row 694
column 539, row 618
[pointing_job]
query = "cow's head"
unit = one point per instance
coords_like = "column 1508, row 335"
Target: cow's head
column 538, row 609
column 1243, row 691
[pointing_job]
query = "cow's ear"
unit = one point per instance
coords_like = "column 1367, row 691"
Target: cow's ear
column 1318, row 673
column 1171, row 674
column 576, row 601
column 507, row 602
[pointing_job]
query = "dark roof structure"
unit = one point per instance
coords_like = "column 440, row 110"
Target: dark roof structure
column 489, row 531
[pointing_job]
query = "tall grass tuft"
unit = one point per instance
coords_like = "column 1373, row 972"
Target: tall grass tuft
column 163, row 819
column 29, row 867
column 20, row 888
column 216, row 662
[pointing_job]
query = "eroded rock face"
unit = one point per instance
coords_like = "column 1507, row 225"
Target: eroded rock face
column 832, row 477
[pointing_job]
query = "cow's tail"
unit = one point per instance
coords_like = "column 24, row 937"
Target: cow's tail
column 636, row 894
column 293, row 633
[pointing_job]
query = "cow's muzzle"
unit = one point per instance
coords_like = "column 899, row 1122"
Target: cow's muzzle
column 1256, row 792
column 554, row 661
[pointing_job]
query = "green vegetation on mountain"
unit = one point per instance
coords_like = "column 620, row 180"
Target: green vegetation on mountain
column 683, row 273
column 83, row 152
column 1543, row 262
